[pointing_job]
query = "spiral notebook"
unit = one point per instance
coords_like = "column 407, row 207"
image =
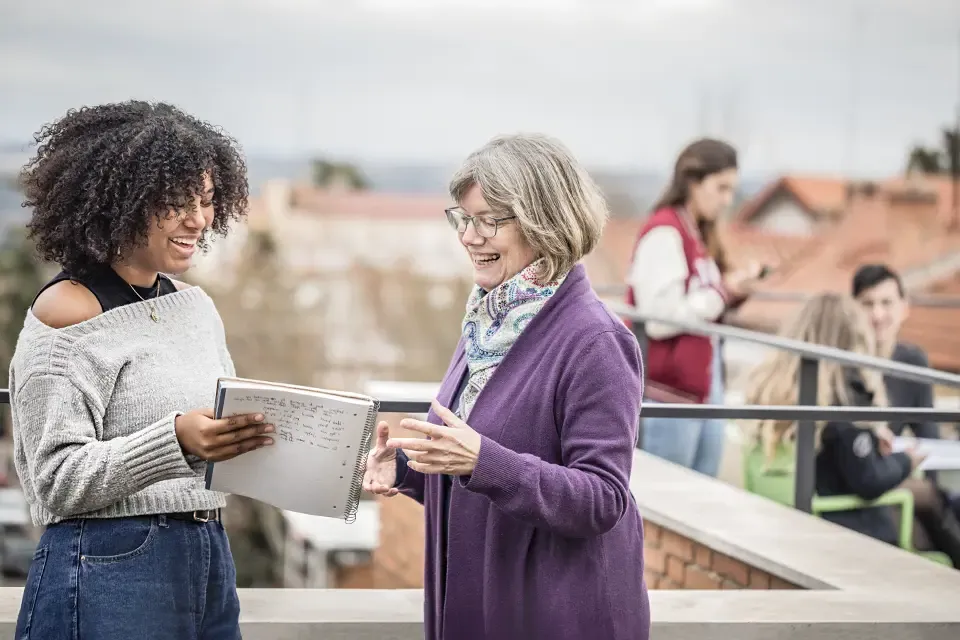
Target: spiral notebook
column 316, row 463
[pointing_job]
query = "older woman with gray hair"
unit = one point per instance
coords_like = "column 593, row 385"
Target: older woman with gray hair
column 531, row 529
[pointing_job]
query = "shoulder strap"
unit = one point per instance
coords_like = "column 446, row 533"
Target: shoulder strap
column 64, row 276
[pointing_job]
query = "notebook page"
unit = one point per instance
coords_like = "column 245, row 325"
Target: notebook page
column 310, row 467
column 260, row 384
column 942, row 455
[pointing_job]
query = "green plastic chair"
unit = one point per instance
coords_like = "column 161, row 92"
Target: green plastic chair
column 776, row 481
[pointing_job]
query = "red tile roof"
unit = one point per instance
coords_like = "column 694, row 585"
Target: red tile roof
column 822, row 197
column 744, row 243
column 907, row 225
column 367, row 204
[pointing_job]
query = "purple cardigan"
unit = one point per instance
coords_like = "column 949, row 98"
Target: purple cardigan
column 544, row 539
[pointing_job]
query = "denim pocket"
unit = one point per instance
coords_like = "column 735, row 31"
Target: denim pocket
column 116, row 539
column 30, row 590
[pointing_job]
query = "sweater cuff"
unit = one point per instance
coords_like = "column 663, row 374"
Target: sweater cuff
column 154, row 454
column 401, row 468
column 496, row 470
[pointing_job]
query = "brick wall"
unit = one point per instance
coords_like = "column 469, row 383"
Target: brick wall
column 675, row 562
column 362, row 577
column 672, row 561
column 398, row 561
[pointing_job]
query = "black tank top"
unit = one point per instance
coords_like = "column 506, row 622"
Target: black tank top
column 111, row 290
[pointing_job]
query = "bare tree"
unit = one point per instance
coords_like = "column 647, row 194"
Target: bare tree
column 937, row 160
column 420, row 315
column 327, row 173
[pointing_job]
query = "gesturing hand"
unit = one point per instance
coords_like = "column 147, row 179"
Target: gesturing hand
column 452, row 449
column 381, row 472
column 215, row 440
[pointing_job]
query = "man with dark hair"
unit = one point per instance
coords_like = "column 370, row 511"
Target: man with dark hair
column 879, row 290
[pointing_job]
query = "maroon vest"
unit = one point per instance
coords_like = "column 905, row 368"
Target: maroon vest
column 678, row 368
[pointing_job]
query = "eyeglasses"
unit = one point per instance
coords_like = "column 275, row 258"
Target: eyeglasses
column 486, row 227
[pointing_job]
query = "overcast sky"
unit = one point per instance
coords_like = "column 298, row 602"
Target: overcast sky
column 796, row 83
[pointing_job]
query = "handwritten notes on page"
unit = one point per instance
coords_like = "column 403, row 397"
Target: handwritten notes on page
column 305, row 421
column 316, row 452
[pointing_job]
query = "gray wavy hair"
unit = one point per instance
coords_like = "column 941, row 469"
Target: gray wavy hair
column 560, row 209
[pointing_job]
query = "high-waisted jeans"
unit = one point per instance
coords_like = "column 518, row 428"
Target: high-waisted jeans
column 139, row 578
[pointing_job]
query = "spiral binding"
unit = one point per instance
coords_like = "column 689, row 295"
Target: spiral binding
column 356, row 486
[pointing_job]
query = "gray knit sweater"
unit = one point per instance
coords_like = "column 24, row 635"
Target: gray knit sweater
column 94, row 406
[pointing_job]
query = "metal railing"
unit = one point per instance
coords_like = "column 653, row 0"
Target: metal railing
column 806, row 413
column 941, row 301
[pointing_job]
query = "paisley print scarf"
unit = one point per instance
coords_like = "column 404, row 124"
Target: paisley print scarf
column 493, row 322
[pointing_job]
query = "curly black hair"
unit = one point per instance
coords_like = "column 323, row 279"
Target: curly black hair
column 101, row 174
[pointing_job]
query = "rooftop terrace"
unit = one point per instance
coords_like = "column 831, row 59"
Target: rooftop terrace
column 722, row 563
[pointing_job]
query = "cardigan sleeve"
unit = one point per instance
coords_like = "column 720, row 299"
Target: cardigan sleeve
column 409, row 482
column 658, row 276
column 589, row 492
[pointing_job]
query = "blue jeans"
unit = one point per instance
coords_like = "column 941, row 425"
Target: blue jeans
column 695, row 444
column 143, row 578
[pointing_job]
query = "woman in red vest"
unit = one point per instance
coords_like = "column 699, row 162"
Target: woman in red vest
column 679, row 272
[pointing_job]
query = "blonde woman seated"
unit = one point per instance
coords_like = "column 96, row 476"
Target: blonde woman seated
column 852, row 458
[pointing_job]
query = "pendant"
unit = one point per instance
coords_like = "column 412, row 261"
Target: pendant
column 153, row 315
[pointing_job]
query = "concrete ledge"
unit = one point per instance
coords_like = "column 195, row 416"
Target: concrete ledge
column 807, row 551
column 342, row 614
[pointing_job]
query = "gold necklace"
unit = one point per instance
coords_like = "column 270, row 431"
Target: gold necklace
column 151, row 303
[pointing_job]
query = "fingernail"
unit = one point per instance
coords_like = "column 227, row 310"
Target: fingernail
column 268, row 429
column 268, row 442
column 258, row 417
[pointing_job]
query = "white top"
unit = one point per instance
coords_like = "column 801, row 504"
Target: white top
column 658, row 277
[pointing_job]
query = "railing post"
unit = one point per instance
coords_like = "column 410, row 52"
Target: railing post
column 806, row 432
column 640, row 333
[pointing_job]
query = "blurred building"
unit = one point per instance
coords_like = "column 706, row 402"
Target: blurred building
column 333, row 229
column 380, row 275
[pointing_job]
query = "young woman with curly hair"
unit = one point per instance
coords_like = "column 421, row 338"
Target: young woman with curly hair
column 113, row 376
